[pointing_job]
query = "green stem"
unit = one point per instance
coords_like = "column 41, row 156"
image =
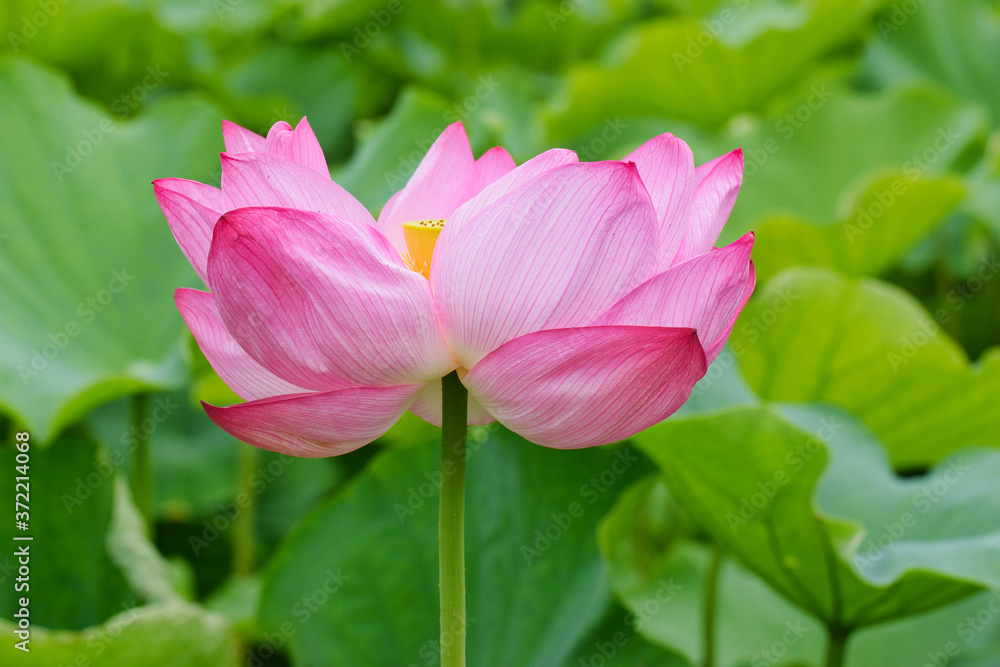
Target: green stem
column 245, row 535
column 711, row 601
column 142, row 461
column 836, row 647
column 451, row 520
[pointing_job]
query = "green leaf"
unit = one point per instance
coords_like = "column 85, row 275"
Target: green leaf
column 285, row 82
column 289, row 488
column 74, row 583
column 857, row 204
column 816, row 155
column 804, row 497
column 954, row 43
column 615, row 643
column 660, row 575
column 196, row 466
column 357, row 582
column 89, row 264
column 220, row 19
column 237, row 599
column 74, row 36
column 128, row 545
column 194, row 461
column 446, row 39
column 984, row 197
column 811, row 335
column 705, row 69
column 646, row 546
column 161, row 635
column 98, row 589
column 862, row 243
column 951, row 635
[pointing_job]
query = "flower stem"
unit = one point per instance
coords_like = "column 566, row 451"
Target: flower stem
column 451, row 520
column 711, row 601
column 245, row 535
column 142, row 461
column 836, row 647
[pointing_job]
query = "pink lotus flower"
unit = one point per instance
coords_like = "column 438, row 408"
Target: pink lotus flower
column 580, row 302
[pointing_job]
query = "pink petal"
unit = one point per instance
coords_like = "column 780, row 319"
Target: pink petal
column 313, row 425
column 715, row 186
column 443, row 180
column 190, row 210
column 298, row 145
column 259, row 179
column 241, row 140
column 237, row 369
column 320, row 301
column 572, row 388
column 506, row 184
column 705, row 293
column 206, row 195
column 556, row 253
column 666, row 165
column 491, row 165
column 427, row 406
column 712, row 351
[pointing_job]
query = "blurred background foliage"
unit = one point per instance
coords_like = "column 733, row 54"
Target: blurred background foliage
column 832, row 481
